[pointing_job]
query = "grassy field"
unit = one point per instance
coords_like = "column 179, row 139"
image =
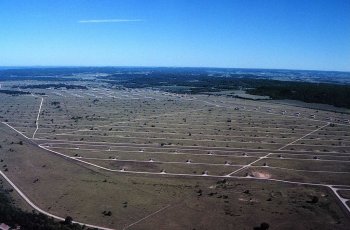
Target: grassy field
column 140, row 158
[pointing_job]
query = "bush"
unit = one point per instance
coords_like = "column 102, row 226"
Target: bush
column 263, row 226
column 68, row 220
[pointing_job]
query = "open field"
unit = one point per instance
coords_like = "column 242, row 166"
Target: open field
column 173, row 161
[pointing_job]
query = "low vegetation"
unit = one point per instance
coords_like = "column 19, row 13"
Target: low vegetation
column 13, row 92
column 13, row 216
column 308, row 92
column 324, row 93
column 55, row 86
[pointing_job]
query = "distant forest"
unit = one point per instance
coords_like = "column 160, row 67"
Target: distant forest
column 324, row 93
column 47, row 86
column 337, row 95
column 200, row 80
column 13, row 92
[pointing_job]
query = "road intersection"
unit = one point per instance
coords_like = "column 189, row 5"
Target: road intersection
column 48, row 144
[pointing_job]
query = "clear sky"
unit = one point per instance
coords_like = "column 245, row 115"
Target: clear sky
column 288, row 34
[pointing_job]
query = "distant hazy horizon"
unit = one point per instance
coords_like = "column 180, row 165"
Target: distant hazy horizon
column 266, row 34
column 184, row 67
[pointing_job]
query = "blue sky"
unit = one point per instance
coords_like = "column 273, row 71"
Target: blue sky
column 287, row 34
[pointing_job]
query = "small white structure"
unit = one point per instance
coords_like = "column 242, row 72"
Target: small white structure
column 4, row 226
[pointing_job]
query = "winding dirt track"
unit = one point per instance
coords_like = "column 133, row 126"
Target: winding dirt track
column 230, row 175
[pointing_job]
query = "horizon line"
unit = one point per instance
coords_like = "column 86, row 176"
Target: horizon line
column 145, row 66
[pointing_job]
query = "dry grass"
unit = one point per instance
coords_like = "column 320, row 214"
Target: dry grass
column 136, row 126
